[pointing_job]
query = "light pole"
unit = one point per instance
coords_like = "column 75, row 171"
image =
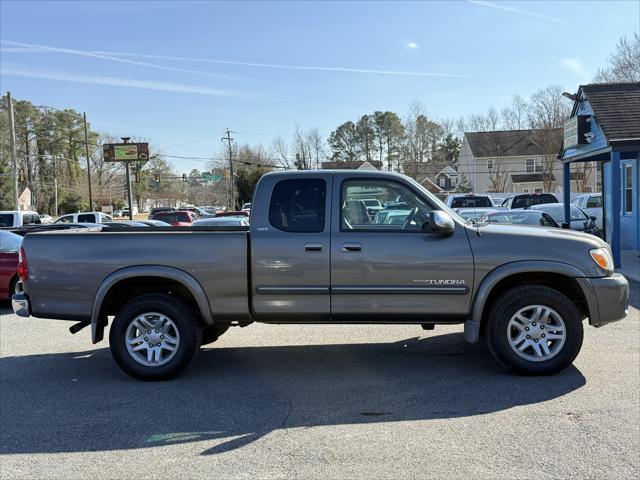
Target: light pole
column 12, row 138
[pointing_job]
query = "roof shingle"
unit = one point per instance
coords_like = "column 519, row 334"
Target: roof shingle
column 616, row 107
column 507, row 143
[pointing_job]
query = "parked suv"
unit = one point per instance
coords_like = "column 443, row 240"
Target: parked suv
column 525, row 200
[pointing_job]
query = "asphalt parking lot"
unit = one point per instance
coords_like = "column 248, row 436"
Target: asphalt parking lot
column 318, row 402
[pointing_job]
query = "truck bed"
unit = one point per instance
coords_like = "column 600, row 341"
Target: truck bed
column 67, row 268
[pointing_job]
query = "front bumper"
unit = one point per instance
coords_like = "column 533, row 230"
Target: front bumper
column 20, row 305
column 611, row 295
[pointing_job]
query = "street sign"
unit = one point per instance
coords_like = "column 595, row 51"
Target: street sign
column 211, row 178
column 123, row 152
column 577, row 131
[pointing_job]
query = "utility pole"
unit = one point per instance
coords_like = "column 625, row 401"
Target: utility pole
column 232, row 193
column 55, row 197
column 86, row 151
column 14, row 157
column 126, row 167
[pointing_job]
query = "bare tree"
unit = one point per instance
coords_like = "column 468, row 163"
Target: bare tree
column 582, row 173
column 316, row 146
column 624, row 64
column 280, row 153
column 483, row 122
column 498, row 175
column 514, row 117
column 546, row 113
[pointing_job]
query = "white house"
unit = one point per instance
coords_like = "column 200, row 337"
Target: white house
column 519, row 161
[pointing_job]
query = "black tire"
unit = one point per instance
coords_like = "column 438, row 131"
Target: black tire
column 506, row 307
column 211, row 334
column 185, row 322
column 12, row 286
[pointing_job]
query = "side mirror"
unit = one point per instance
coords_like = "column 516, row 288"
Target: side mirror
column 441, row 222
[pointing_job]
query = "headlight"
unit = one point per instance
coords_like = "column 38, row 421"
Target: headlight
column 602, row 257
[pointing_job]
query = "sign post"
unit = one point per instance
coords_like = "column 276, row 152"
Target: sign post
column 126, row 152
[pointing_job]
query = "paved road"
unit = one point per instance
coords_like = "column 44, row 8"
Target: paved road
column 318, row 402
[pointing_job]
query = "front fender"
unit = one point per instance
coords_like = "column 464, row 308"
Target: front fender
column 472, row 325
column 163, row 272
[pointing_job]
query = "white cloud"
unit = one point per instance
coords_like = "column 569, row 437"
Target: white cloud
column 288, row 67
column 64, row 76
column 118, row 57
column 575, row 66
column 29, row 47
column 412, row 45
column 517, row 11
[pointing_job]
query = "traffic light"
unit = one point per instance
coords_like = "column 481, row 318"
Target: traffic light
column 21, row 175
column 184, row 177
column 137, row 176
column 157, row 178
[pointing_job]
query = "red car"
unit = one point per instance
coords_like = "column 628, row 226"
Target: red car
column 9, row 249
column 177, row 218
column 232, row 214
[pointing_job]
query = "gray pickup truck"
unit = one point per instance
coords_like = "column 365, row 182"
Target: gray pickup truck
column 315, row 254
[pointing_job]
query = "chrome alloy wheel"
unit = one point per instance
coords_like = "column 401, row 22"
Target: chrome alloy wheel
column 536, row 333
column 152, row 339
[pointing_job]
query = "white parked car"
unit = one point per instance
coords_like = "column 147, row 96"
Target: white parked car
column 591, row 203
column 15, row 218
column 85, row 217
column 44, row 218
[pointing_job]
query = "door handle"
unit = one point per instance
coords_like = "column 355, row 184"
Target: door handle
column 351, row 247
column 313, row 247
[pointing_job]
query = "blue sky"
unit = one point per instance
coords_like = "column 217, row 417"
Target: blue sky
column 179, row 73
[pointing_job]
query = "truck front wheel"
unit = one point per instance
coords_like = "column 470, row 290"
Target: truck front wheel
column 534, row 330
column 154, row 337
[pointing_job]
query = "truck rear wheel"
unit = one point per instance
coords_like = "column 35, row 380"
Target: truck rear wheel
column 211, row 334
column 154, row 337
column 534, row 330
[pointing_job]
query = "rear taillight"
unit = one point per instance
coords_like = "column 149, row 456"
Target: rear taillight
column 23, row 270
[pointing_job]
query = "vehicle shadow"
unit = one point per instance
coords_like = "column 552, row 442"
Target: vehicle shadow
column 230, row 397
column 634, row 294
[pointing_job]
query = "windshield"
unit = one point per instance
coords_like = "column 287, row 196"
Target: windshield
column 459, row 202
column 6, row 219
column 524, row 201
column 9, row 242
column 557, row 212
column 173, row 217
column 520, row 218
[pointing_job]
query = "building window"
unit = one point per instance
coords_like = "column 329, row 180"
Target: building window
column 537, row 190
column 525, row 190
column 442, row 182
column 628, row 190
column 533, row 165
column 490, row 164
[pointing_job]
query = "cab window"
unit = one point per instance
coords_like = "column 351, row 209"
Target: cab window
column 594, row 202
column 298, row 205
column 402, row 209
column 87, row 218
column 65, row 219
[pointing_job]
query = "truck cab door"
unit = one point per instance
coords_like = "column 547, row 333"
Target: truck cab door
column 290, row 246
column 391, row 266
